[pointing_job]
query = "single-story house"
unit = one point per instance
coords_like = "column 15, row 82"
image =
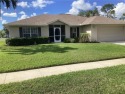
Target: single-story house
column 59, row 27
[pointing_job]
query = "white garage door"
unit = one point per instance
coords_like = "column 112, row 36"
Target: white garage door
column 110, row 33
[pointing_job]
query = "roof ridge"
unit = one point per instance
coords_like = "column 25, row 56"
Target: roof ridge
column 94, row 18
column 88, row 18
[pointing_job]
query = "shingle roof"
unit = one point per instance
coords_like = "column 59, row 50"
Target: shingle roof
column 46, row 19
column 71, row 20
column 102, row 20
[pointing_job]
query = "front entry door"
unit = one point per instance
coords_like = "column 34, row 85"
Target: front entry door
column 57, row 34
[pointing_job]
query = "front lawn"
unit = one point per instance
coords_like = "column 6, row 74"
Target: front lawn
column 37, row 56
column 99, row 81
column 2, row 41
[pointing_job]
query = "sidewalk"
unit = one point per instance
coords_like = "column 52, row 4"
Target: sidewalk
column 42, row 72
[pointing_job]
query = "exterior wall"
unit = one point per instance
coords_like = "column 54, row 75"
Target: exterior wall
column 13, row 32
column 94, row 33
column 67, row 31
column 81, row 29
column 88, row 29
column 45, row 31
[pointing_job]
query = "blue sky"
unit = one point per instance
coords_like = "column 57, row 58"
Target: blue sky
column 28, row 8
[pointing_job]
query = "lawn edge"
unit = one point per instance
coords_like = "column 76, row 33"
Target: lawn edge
column 10, row 71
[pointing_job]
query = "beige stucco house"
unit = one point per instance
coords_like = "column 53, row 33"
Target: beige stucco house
column 59, row 27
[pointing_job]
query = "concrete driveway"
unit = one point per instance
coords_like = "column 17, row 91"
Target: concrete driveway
column 119, row 43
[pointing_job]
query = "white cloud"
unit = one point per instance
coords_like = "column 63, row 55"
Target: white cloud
column 22, row 13
column 23, row 4
column 24, row 16
column 41, row 3
column 10, row 14
column 45, row 12
column 2, row 11
column 100, row 12
column 80, row 5
column 120, row 9
column 34, row 14
column 0, row 18
column 4, row 22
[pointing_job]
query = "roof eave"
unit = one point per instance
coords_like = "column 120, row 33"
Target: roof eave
column 25, row 25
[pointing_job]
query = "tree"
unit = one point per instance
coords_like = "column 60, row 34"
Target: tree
column 82, row 13
column 9, row 3
column 89, row 13
column 122, row 17
column 6, row 32
column 112, row 14
column 108, row 9
column 2, row 33
column 96, row 12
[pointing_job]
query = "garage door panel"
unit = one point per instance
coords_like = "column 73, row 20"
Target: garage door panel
column 110, row 33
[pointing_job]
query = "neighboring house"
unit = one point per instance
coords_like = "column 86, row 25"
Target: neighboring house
column 59, row 27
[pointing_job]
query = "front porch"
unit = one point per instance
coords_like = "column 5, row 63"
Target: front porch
column 58, row 31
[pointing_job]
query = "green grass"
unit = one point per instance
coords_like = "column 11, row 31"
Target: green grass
column 99, row 81
column 37, row 56
column 2, row 41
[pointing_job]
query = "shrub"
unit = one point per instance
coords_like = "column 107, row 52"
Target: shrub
column 95, row 41
column 26, row 41
column 84, row 37
column 76, row 40
column 69, row 40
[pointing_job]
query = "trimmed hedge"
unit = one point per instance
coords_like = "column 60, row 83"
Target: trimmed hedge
column 69, row 40
column 84, row 39
column 26, row 41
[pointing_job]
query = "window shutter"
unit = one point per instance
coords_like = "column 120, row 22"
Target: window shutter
column 51, row 33
column 77, row 31
column 63, row 30
column 39, row 31
column 71, row 33
column 20, row 32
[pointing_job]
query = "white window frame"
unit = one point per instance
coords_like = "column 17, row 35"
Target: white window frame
column 30, row 32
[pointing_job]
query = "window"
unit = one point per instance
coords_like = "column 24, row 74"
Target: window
column 34, row 32
column 30, row 31
column 74, row 32
column 26, row 32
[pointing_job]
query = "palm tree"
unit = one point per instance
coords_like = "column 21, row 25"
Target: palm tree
column 89, row 13
column 96, row 12
column 9, row 3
